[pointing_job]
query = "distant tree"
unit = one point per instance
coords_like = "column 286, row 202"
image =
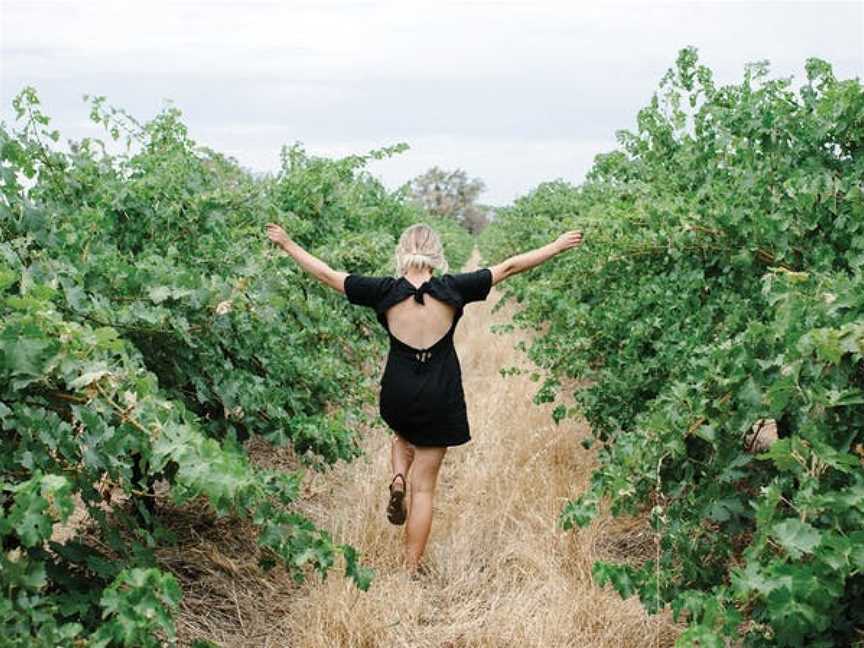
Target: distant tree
column 451, row 194
column 478, row 217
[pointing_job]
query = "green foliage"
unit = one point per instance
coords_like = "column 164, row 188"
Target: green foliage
column 137, row 605
column 148, row 328
column 720, row 285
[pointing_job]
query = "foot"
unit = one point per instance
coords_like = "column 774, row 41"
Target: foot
column 419, row 571
column 396, row 507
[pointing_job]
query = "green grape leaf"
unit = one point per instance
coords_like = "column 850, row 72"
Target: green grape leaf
column 796, row 537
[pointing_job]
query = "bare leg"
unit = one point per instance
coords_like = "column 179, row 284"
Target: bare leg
column 424, row 476
column 401, row 456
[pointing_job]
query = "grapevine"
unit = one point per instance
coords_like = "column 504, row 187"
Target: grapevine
column 147, row 330
column 719, row 287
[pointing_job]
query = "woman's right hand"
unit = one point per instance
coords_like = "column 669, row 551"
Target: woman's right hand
column 568, row 240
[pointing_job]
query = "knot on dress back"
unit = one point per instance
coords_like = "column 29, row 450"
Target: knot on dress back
column 418, row 292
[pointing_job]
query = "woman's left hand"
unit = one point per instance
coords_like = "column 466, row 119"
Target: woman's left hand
column 276, row 234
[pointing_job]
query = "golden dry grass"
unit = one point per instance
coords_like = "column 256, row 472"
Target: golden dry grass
column 502, row 574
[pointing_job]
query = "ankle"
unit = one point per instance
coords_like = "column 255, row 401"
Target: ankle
column 398, row 482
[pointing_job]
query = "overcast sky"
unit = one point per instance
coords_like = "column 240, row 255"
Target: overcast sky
column 513, row 92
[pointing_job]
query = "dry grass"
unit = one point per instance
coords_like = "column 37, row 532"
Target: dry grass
column 502, row 573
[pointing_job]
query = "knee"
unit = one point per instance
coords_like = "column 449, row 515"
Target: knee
column 401, row 445
column 422, row 485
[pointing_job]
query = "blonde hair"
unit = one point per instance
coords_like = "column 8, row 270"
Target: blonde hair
column 420, row 246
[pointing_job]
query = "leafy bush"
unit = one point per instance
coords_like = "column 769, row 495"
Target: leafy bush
column 720, row 286
column 147, row 328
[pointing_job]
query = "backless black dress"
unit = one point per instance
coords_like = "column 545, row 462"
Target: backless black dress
column 421, row 389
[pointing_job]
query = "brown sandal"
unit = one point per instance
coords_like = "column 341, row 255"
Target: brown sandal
column 396, row 506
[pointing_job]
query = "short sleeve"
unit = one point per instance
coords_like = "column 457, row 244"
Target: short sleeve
column 364, row 290
column 473, row 286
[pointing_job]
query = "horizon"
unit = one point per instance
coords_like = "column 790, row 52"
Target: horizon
column 513, row 93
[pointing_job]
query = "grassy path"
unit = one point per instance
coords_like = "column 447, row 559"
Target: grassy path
column 502, row 574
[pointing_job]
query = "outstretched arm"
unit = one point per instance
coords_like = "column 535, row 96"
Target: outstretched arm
column 526, row 260
column 311, row 264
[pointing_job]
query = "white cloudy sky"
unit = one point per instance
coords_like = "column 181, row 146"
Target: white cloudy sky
column 513, row 92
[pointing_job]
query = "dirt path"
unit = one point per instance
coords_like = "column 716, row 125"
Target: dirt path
column 503, row 574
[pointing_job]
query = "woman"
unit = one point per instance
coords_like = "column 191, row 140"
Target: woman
column 421, row 397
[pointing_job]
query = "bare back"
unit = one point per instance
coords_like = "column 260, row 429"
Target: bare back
column 420, row 325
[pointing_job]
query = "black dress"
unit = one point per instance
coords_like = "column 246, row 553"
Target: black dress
column 421, row 389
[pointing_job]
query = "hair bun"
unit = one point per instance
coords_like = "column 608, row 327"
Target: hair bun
column 419, row 246
column 415, row 258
